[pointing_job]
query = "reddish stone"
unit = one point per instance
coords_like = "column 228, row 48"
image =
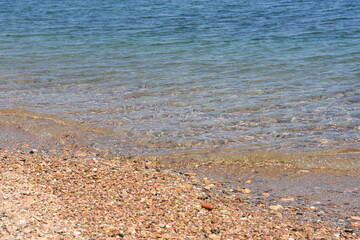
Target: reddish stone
column 207, row 206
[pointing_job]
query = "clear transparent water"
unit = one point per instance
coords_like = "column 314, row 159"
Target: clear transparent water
column 169, row 76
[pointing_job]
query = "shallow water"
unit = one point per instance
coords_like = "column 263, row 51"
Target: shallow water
column 185, row 75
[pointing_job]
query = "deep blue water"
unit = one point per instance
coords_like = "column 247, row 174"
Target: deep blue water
column 179, row 75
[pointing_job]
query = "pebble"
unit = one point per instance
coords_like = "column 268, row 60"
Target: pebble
column 287, row 199
column 244, row 190
column 275, row 207
column 195, row 181
column 355, row 224
column 354, row 218
column 207, row 206
column 33, row 151
column 22, row 223
column 81, row 154
column 76, row 233
column 213, row 236
column 207, row 182
column 130, row 201
column 208, row 187
column 190, row 174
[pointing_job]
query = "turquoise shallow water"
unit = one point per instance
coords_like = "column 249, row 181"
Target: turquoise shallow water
column 180, row 75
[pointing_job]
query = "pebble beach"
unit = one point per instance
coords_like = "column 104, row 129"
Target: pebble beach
column 180, row 120
column 76, row 194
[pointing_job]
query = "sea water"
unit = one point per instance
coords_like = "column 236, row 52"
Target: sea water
column 171, row 75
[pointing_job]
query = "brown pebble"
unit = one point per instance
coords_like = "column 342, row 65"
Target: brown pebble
column 207, row 182
column 190, row 174
column 355, row 224
column 81, row 154
column 207, row 206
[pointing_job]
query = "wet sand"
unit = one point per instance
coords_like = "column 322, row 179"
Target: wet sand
column 91, row 192
column 328, row 176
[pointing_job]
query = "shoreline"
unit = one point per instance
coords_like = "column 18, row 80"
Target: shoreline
column 257, row 191
column 325, row 175
column 330, row 173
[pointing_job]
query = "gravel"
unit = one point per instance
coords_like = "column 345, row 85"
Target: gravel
column 80, row 195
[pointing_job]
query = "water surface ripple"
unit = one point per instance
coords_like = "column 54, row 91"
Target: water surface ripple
column 181, row 75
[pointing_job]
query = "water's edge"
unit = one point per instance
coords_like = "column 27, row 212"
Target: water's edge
column 331, row 174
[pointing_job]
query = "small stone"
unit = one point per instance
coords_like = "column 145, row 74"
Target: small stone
column 287, row 199
column 131, row 231
column 324, row 141
column 198, row 207
column 76, row 233
column 207, row 206
column 195, row 181
column 81, row 154
column 355, row 224
column 213, row 236
column 190, row 174
column 121, row 235
column 27, row 230
column 275, row 207
column 248, row 181
column 148, row 165
column 354, row 218
column 33, row 151
column 244, row 190
column 207, row 182
column 22, row 223
column 208, row 187
column 56, row 229
column 215, row 231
